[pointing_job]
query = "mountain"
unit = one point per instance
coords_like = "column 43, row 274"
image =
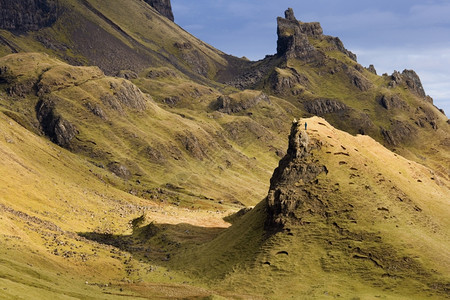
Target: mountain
column 129, row 146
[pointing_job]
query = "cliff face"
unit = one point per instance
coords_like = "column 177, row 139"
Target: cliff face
column 297, row 168
column 293, row 39
column 27, row 14
column 163, row 7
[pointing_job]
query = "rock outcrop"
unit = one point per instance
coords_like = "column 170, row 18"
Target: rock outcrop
column 230, row 105
column 293, row 39
column 163, row 7
column 27, row 15
column 398, row 133
column 296, row 169
column 412, row 81
column 59, row 130
column 321, row 107
column 392, row 102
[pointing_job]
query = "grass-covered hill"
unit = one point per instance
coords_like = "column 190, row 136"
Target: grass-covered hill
column 344, row 218
column 129, row 147
column 116, row 36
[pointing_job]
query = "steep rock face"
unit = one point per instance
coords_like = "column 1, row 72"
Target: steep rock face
column 59, row 130
column 412, row 81
column 163, row 7
column 293, row 39
column 27, row 14
column 320, row 107
column 297, row 168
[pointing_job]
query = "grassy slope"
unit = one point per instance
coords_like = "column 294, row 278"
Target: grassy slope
column 90, row 33
column 47, row 196
column 62, row 193
column 385, row 247
column 330, row 79
column 203, row 168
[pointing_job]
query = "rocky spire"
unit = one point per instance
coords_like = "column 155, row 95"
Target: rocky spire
column 289, row 14
column 293, row 37
column 296, row 169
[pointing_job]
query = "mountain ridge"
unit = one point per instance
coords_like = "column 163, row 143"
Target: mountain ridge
column 139, row 161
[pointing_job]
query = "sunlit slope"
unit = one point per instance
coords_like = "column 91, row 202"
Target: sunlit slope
column 118, row 36
column 370, row 224
column 204, row 151
column 48, row 197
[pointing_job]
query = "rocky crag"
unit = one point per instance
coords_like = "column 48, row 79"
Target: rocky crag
column 163, row 7
column 27, row 15
column 297, row 168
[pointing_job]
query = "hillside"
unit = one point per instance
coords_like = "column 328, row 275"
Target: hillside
column 129, row 147
column 344, row 217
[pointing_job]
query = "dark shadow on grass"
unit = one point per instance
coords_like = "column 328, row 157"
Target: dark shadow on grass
column 156, row 241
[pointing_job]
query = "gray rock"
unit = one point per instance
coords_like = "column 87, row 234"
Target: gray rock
column 321, row 107
column 296, row 168
column 413, row 82
column 392, row 102
column 163, row 7
column 120, row 170
column 398, row 133
column 59, row 130
column 372, row 69
column 27, row 15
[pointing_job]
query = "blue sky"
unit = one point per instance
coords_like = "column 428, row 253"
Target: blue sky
column 391, row 34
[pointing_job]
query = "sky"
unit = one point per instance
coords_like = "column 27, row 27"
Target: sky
column 390, row 34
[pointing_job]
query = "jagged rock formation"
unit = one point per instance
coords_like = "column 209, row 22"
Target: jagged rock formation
column 412, row 81
column 59, row 130
column 321, row 107
column 293, row 39
column 27, row 15
column 296, row 169
column 392, row 102
column 163, row 7
column 230, row 105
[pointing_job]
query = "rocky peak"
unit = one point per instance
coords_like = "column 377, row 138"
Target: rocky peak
column 27, row 15
column 163, row 7
column 412, row 81
column 289, row 14
column 293, row 39
column 296, row 169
